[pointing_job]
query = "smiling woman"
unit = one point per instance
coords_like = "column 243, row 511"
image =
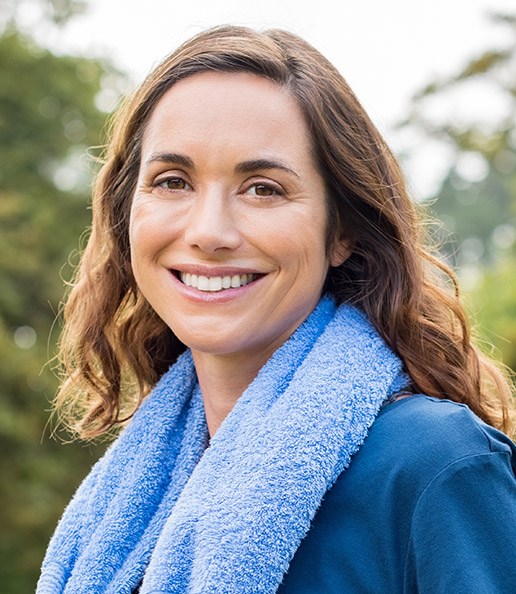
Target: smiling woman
column 303, row 408
column 228, row 232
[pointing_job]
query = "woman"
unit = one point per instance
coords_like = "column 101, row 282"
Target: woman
column 307, row 412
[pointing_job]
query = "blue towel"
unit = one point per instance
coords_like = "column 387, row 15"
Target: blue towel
column 225, row 516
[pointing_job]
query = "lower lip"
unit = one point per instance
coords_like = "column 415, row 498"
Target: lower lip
column 222, row 296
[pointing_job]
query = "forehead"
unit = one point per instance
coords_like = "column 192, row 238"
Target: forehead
column 230, row 109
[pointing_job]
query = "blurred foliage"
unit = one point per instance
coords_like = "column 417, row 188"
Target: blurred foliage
column 48, row 119
column 495, row 305
column 51, row 113
column 477, row 198
column 54, row 12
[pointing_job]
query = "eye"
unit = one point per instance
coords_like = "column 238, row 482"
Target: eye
column 173, row 183
column 263, row 190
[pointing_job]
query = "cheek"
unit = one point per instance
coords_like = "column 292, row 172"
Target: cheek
column 298, row 251
column 149, row 229
column 300, row 240
column 138, row 237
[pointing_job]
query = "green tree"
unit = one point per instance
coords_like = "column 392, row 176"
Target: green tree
column 48, row 120
column 477, row 198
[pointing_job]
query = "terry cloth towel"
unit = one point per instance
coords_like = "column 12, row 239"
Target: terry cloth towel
column 228, row 517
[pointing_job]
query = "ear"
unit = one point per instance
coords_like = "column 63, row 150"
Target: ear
column 340, row 252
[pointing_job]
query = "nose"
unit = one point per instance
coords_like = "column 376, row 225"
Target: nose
column 211, row 224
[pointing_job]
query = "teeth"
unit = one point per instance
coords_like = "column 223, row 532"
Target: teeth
column 203, row 283
column 215, row 283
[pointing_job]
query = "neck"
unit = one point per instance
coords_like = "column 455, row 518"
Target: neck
column 223, row 379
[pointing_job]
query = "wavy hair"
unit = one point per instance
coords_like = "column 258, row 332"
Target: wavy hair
column 114, row 347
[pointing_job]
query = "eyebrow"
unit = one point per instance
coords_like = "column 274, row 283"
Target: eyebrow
column 243, row 167
column 257, row 164
column 176, row 158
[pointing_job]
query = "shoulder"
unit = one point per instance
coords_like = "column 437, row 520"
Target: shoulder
column 460, row 475
column 405, row 510
column 435, row 432
column 417, row 438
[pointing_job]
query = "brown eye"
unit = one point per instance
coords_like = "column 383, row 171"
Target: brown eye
column 263, row 190
column 173, row 183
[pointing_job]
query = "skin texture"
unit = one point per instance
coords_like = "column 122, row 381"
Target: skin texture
column 227, row 185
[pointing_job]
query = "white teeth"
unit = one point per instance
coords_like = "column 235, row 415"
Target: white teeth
column 203, row 283
column 215, row 283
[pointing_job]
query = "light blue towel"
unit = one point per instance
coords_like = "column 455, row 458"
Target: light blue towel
column 226, row 518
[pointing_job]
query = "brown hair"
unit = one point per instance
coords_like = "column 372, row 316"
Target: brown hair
column 114, row 347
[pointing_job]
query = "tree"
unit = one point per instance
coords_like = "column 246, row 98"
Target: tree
column 48, row 121
column 477, row 197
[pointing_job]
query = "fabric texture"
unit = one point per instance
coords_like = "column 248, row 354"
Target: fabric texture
column 427, row 505
column 228, row 517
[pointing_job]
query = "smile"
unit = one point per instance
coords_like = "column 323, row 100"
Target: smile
column 216, row 283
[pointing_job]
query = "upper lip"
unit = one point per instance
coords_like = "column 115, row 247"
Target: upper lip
column 204, row 270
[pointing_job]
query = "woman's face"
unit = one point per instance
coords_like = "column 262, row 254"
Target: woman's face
column 228, row 221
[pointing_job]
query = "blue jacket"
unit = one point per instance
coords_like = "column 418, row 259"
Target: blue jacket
column 428, row 505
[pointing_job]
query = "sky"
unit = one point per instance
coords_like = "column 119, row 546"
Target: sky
column 385, row 49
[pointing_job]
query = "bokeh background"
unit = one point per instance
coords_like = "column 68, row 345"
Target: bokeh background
column 438, row 78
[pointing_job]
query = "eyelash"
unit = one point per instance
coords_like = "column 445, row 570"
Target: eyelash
column 275, row 191
column 160, row 183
